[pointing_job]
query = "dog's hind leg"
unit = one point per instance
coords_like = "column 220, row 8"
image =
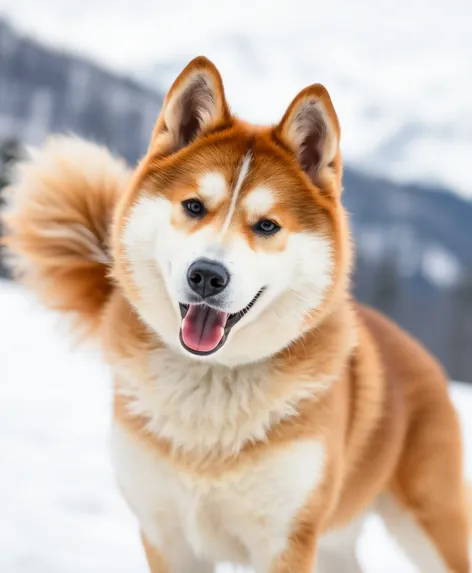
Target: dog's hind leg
column 425, row 508
column 337, row 550
column 421, row 548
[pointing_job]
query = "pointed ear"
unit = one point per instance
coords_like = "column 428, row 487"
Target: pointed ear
column 310, row 129
column 194, row 105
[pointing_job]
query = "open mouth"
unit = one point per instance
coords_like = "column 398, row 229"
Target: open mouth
column 205, row 329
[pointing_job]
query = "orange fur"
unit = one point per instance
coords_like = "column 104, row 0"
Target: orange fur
column 59, row 216
column 383, row 409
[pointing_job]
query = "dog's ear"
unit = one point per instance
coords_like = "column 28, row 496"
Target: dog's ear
column 310, row 129
column 194, row 105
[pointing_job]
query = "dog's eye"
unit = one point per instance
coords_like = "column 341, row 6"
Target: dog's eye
column 266, row 227
column 194, row 208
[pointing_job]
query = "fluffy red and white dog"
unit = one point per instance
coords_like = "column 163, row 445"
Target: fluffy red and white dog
column 259, row 412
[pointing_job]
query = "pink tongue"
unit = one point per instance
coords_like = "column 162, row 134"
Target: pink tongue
column 203, row 327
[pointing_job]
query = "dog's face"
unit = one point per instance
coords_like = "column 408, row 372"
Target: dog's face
column 228, row 240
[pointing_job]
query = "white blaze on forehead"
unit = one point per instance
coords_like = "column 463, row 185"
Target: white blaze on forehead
column 259, row 201
column 243, row 171
column 212, row 188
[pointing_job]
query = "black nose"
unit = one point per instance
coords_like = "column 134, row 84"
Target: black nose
column 207, row 278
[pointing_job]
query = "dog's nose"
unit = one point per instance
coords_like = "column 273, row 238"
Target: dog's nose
column 207, row 278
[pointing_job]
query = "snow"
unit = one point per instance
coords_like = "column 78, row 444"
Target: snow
column 440, row 266
column 60, row 508
column 399, row 73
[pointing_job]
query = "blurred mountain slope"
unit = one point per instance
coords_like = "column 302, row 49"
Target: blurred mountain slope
column 413, row 242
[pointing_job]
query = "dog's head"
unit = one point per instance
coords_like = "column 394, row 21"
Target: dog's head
column 231, row 241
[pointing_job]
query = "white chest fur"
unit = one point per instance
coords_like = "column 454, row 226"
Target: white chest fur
column 230, row 407
column 242, row 516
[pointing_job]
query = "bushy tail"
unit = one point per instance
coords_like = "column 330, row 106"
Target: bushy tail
column 57, row 219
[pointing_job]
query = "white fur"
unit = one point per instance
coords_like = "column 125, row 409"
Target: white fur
column 243, row 171
column 79, row 234
column 201, row 85
column 241, row 515
column 295, row 280
column 213, row 189
column 140, row 236
column 230, row 407
column 259, row 201
column 416, row 544
column 311, row 117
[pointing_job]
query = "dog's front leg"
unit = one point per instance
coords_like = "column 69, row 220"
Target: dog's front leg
column 173, row 559
column 300, row 555
column 156, row 561
column 297, row 556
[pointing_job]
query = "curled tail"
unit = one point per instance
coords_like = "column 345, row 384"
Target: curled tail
column 57, row 220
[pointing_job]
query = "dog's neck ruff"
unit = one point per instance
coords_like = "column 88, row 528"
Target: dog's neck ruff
column 208, row 409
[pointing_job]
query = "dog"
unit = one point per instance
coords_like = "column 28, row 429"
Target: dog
column 259, row 411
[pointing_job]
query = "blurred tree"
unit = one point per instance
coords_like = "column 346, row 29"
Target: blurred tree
column 461, row 334
column 387, row 287
column 10, row 152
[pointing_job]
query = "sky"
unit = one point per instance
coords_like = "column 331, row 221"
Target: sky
column 399, row 72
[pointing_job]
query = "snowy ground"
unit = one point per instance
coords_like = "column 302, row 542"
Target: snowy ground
column 60, row 511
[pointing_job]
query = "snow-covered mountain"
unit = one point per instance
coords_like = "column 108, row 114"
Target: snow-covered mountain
column 43, row 90
column 399, row 72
